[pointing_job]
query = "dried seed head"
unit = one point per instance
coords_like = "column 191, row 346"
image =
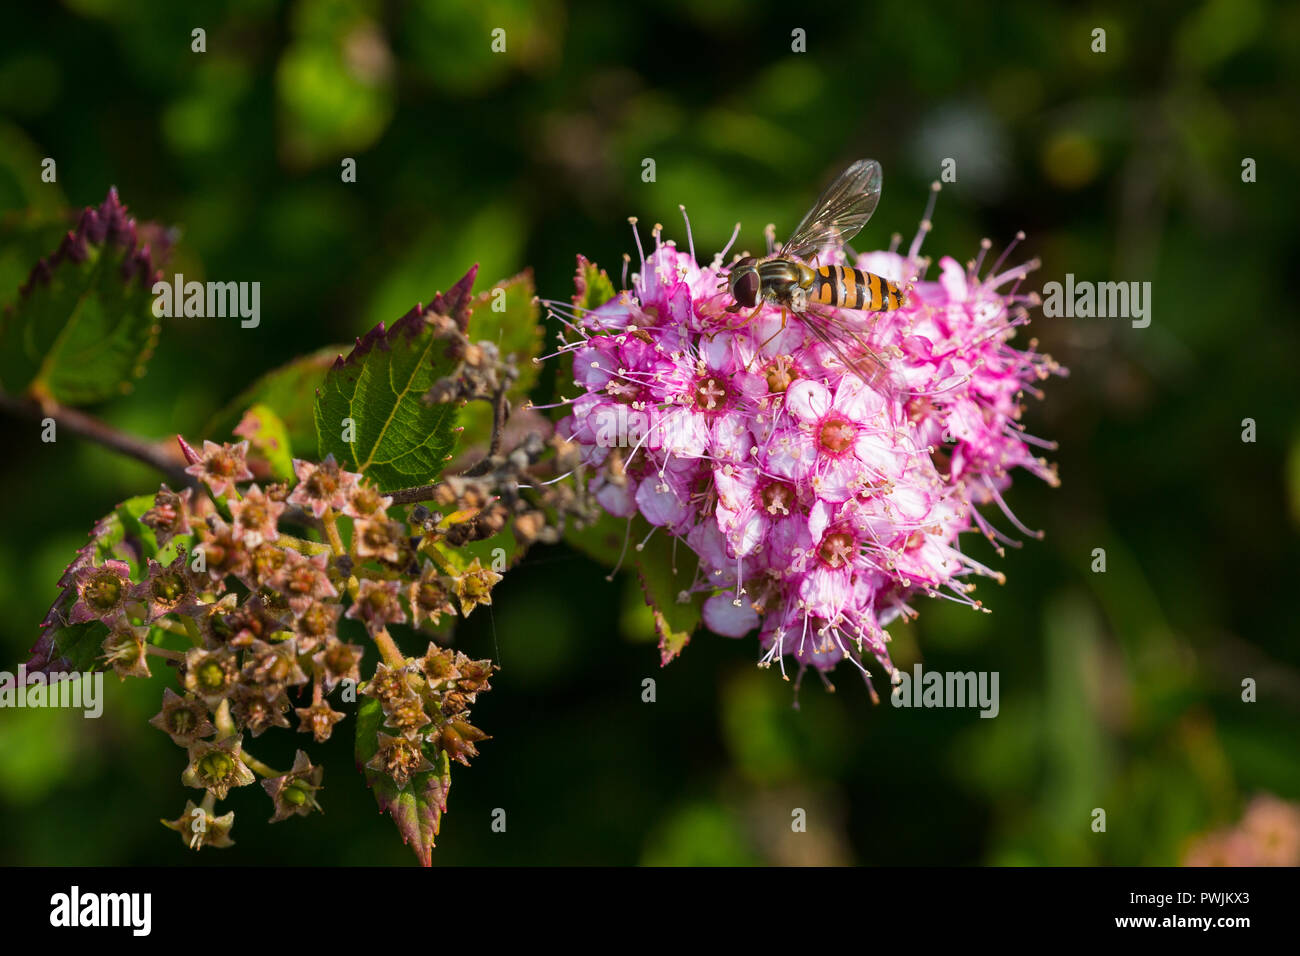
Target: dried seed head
column 318, row 720
column 294, row 793
column 398, row 758
column 199, row 828
column 217, row 767
column 183, row 719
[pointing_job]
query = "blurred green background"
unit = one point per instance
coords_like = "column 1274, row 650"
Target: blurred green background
column 1118, row 690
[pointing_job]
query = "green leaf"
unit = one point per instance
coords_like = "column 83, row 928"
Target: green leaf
column 663, row 585
column 269, row 439
column 506, row 315
column 138, row 541
column 416, row 808
column 73, row 647
column 25, row 237
column 516, row 332
column 109, row 534
column 290, row 392
column 486, row 551
column 83, row 326
column 663, row 575
column 592, row 286
column 399, row 440
column 370, row 720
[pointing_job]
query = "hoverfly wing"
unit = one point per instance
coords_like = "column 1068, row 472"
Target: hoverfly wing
column 839, row 213
column 840, row 337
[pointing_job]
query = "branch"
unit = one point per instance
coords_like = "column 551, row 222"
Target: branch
column 409, row 496
column 500, row 412
column 101, row 433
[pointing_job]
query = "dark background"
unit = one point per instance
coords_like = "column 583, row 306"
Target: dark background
column 1118, row 690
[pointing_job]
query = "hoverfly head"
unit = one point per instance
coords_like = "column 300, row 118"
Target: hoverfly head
column 744, row 283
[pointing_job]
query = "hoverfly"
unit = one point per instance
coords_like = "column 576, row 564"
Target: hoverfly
column 785, row 278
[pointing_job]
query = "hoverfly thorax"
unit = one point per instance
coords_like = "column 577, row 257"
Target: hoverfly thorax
column 820, row 294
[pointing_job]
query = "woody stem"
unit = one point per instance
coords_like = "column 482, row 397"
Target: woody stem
column 101, row 433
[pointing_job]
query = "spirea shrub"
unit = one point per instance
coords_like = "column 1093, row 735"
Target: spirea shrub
column 309, row 551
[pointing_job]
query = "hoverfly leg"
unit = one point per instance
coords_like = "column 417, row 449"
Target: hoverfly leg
column 762, row 345
column 776, row 333
column 749, row 318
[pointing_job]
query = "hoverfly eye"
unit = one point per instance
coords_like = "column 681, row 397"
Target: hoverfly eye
column 745, row 288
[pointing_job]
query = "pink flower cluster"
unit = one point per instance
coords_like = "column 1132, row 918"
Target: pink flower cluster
column 819, row 504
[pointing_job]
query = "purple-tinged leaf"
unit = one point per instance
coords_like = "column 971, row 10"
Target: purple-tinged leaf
column 370, row 410
column 119, row 536
column 83, row 325
column 416, row 808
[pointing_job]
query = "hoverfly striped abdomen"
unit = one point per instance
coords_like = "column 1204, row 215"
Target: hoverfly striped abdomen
column 786, row 278
column 848, row 288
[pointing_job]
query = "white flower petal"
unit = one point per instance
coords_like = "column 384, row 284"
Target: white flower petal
column 723, row 617
column 807, row 400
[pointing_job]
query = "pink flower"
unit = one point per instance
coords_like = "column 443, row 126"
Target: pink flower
column 306, row 581
column 255, row 517
column 322, row 486
column 102, row 593
column 377, row 605
column 220, row 466
column 169, row 515
column 843, row 445
column 820, row 505
column 170, row 589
